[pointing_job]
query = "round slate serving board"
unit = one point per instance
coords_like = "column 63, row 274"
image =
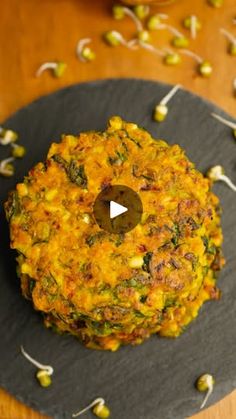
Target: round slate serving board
column 154, row 380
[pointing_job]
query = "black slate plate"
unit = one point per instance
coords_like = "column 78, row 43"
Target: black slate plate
column 154, row 380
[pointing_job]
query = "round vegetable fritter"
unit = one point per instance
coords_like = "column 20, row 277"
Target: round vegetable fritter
column 112, row 289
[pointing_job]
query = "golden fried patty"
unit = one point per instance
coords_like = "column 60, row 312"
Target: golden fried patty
column 111, row 289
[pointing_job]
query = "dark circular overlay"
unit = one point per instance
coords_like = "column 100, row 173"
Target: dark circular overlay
column 121, row 195
column 156, row 379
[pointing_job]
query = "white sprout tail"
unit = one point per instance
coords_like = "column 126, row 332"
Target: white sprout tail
column 228, row 182
column 228, row 35
column 224, row 121
column 46, row 66
column 209, row 391
column 33, row 361
column 137, row 22
column 193, row 26
column 170, row 94
column 151, row 48
column 192, row 55
column 171, row 29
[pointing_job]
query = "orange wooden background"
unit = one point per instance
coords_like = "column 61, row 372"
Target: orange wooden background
column 34, row 31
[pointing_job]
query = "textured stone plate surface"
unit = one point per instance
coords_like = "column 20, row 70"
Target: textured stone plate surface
column 154, row 380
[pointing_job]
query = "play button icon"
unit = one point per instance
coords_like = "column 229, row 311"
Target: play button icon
column 117, row 209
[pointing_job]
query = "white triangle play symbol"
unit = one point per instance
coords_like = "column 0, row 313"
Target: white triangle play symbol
column 116, row 209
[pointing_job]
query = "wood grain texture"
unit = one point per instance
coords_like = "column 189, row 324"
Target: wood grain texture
column 33, row 31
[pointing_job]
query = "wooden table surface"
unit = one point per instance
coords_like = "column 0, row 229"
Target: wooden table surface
column 35, row 31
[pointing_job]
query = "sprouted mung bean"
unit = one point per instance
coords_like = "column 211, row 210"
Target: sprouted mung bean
column 161, row 110
column 172, row 58
column 217, row 173
column 204, row 67
column 7, row 136
column 114, row 38
column 57, row 67
column 18, row 151
column 44, row 371
column 6, row 167
column 144, row 36
column 169, row 57
column 205, row 383
column 179, row 40
column 99, row 409
column 193, row 24
column 83, row 51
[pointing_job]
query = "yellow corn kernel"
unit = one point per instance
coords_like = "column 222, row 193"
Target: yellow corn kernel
column 25, row 268
column 22, row 189
column 115, row 123
column 136, row 262
column 50, row 195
